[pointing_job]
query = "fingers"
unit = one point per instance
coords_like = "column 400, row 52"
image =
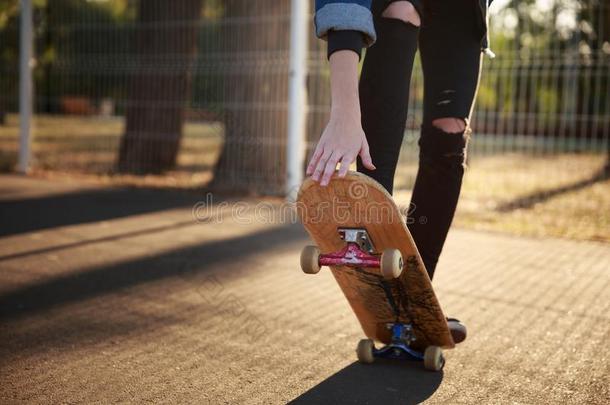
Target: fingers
column 314, row 160
column 365, row 156
column 321, row 165
column 331, row 166
column 328, row 154
column 346, row 161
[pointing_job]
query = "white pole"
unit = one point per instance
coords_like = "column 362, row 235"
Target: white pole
column 25, row 85
column 297, row 102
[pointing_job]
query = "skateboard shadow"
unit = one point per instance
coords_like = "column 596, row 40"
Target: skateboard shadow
column 385, row 382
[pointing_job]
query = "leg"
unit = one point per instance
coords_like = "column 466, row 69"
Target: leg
column 384, row 85
column 451, row 55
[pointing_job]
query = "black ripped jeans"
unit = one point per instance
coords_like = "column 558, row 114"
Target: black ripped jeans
column 450, row 46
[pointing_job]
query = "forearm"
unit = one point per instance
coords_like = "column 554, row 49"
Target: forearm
column 344, row 83
column 343, row 138
column 347, row 24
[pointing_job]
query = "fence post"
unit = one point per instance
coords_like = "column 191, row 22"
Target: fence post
column 25, row 85
column 297, row 101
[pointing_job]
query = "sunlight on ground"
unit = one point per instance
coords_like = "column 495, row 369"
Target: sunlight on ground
column 559, row 195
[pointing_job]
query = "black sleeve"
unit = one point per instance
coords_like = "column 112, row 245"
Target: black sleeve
column 342, row 40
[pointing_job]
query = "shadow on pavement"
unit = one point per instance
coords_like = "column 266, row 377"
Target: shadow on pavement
column 385, row 382
column 97, row 281
column 21, row 215
column 92, row 241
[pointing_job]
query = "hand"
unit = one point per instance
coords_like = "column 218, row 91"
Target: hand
column 341, row 142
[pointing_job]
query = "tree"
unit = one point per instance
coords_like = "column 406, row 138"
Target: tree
column 8, row 54
column 255, row 52
column 165, row 48
column 558, row 66
column 593, row 33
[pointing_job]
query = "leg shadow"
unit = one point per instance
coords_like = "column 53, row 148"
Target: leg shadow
column 530, row 200
column 385, row 382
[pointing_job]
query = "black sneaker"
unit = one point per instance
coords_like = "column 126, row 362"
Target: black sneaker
column 457, row 329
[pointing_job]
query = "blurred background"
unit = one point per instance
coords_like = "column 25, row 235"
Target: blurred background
column 194, row 93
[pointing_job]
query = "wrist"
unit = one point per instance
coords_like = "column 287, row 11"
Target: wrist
column 345, row 110
column 345, row 100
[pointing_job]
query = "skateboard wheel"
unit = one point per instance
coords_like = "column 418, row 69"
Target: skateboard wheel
column 365, row 351
column 433, row 358
column 391, row 264
column 310, row 259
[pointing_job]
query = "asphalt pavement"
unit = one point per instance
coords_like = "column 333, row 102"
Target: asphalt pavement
column 111, row 294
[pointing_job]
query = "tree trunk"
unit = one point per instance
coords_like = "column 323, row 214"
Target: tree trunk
column 165, row 47
column 255, row 36
column 2, row 113
column 606, row 77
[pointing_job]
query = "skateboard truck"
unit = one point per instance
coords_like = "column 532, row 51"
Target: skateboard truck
column 358, row 236
column 399, row 348
column 357, row 252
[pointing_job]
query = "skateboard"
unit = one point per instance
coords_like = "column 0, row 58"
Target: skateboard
column 361, row 235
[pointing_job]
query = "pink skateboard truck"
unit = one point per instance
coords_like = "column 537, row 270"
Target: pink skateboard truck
column 357, row 252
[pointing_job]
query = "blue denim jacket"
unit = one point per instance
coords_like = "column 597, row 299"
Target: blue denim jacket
column 356, row 15
column 340, row 15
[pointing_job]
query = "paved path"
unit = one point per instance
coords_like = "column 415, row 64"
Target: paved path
column 120, row 295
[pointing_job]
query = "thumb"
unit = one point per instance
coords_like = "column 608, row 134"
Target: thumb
column 365, row 156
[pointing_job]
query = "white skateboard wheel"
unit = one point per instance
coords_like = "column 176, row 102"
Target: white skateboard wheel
column 365, row 351
column 433, row 358
column 310, row 259
column 391, row 264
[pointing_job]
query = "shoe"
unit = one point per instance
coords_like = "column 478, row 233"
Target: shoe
column 457, row 329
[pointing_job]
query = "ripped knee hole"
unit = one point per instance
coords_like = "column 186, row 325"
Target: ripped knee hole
column 450, row 125
column 402, row 10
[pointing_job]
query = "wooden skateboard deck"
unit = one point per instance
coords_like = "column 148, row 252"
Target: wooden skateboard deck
column 357, row 201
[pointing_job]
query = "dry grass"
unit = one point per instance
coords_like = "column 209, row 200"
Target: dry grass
column 565, row 196
column 560, row 195
column 84, row 145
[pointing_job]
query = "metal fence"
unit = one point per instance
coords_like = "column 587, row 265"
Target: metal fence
column 184, row 89
column 197, row 91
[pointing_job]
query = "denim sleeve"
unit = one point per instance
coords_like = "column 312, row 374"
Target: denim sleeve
column 341, row 15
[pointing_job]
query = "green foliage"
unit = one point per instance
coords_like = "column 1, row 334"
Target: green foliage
column 82, row 48
column 77, row 45
column 85, row 48
column 8, row 8
column 548, row 52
